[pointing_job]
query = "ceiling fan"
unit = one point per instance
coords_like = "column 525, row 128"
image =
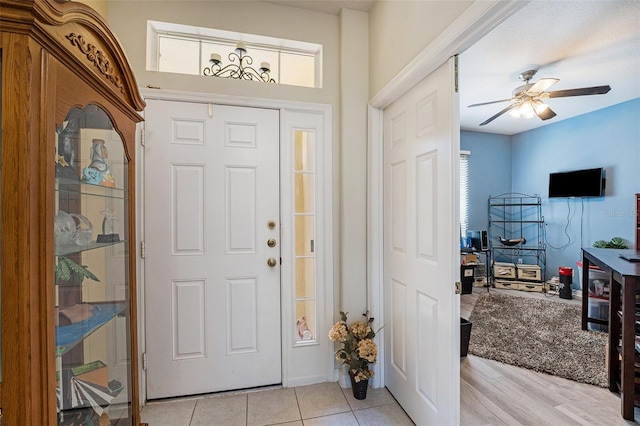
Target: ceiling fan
column 527, row 99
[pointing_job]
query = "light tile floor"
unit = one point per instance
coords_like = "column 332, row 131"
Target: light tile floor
column 313, row 405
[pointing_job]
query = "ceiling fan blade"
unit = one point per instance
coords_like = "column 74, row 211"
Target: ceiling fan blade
column 542, row 85
column 489, row 103
column 542, row 110
column 507, row 109
column 597, row 90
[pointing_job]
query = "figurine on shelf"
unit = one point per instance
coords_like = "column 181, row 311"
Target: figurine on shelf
column 303, row 330
column 64, row 228
column 108, row 236
column 84, row 230
column 99, row 172
column 65, row 154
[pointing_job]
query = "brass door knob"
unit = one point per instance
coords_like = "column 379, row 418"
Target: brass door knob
column 271, row 242
column 271, row 224
column 272, row 262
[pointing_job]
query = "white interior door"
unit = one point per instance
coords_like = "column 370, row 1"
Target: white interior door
column 212, row 300
column 421, row 146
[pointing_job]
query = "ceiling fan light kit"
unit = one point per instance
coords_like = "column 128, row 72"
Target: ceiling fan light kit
column 526, row 100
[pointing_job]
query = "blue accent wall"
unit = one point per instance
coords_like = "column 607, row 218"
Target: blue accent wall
column 608, row 138
column 489, row 172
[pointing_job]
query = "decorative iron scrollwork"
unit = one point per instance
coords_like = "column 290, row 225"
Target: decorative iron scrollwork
column 240, row 71
column 98, row 58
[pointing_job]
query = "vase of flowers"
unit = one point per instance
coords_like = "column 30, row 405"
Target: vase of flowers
column 357, row 352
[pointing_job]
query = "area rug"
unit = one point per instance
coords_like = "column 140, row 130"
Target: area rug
column 538, row 334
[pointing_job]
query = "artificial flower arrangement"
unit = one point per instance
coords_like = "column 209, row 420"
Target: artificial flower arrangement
column 359, row 350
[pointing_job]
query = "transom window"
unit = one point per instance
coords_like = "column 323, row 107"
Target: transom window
column 185, row 49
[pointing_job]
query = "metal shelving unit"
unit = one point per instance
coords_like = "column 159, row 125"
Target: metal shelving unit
column 513, row 216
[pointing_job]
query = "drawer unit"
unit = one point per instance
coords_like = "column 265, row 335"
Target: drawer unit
column 529, row 272
column 509, row 285
column 480, row 282
column 530, row 286
column 504, row 270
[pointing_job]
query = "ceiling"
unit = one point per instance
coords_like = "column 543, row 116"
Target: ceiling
column 583, row 43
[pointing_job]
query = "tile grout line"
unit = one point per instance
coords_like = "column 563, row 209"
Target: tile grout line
column 298, row 404
column 353, row 412
column 193, row 412
column 344, row 395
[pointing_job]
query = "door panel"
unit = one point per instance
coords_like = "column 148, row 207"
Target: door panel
column 188, row 312
column 420, row 157
column 212, row 302
column 187, row 207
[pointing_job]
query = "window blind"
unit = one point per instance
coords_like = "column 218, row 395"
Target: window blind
column 464, row 192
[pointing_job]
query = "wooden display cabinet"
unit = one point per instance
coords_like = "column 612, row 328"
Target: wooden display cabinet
column 70, row 105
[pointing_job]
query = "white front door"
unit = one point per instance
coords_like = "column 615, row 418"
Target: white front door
column 421, row 148
column 211, row 204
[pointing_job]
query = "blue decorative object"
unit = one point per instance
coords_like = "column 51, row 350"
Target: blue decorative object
column 98, row 172
column 92, row 176
column 68, row 335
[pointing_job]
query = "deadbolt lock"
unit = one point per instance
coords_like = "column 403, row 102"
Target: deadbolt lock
column 272, row 262
column 271, row 224
column 271, row 242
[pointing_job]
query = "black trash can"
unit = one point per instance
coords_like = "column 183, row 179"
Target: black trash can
column 465, row 336
column 566, row 282
column 467, row 277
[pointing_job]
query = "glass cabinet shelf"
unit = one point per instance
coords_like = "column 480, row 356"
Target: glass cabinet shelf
column 72, row 248
column 84, row 188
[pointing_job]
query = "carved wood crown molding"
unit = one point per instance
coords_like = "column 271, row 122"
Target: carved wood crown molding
column 98, row 58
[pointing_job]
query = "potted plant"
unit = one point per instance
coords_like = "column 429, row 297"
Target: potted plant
column 357, row 352
column 615, row 242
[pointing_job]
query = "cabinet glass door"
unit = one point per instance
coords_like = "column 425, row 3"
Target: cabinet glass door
column 91, row 231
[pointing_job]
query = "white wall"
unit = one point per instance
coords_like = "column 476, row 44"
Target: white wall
column 100, row 6
column 399, row 30
column 344, row 88
column 354, row 94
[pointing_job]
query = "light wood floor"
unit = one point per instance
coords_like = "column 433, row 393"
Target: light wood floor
column 493, row 393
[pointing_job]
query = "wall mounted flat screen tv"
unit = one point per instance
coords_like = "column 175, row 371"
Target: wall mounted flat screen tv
column 577, row 183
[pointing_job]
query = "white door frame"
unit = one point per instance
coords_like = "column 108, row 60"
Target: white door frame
column 478, row 20
column 293, row 115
